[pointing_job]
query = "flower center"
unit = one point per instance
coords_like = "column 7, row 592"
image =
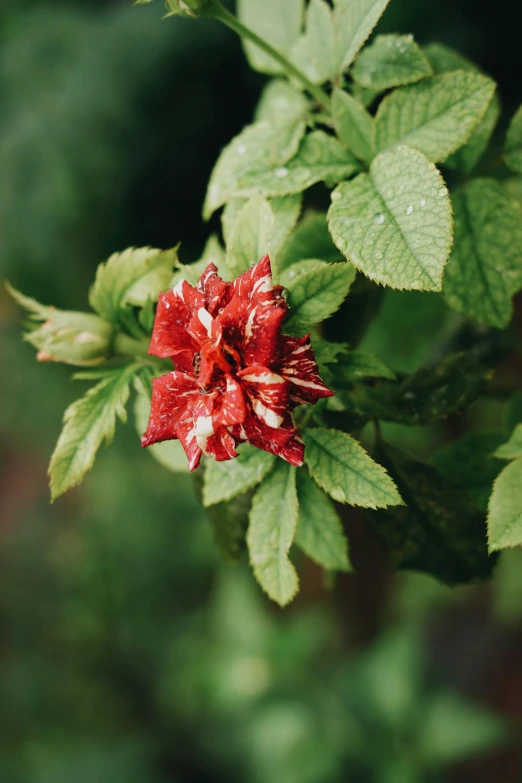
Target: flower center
column 196, row 364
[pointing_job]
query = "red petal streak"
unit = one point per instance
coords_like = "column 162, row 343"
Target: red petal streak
column 284, row 441
column 222, row 445
column 216, row 292
column 268, row 393
column 187, row 436
column 231, row 408
column 173, row 315
column 299, row 367
column 171, row 396
column 262, row 333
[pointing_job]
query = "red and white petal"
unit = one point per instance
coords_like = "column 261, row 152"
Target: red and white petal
column 230, row 407
column 256, row 283
column 187, row 436
column 172, row 395
column 262, row 332
column 298, row 366
column 284, row 441
column 201, row 326
column 222, row 446
column 173, row 314
column 215, row 290
column 268, row 394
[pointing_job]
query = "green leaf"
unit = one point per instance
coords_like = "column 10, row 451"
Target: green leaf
column 353, row 125
column 342, row 467
column 435, row 116
column 357, row 365
column 511, row 449
column 439, row 531
column 353, row 22
column 317, row 294
column 212, row 254
column 288, row 275
column 513, row 148
column 485, row 269
column 170, row 454
column 273, row 522
column 319, row 530
column 131, row 278
column 225, row 480
column 469, row 463
column 87, row 423
column 229, row 520
column 320, row 157
column 279, row 101
column 258, row 148
column 505, row 509
column 285, row 213
column 513, row 187
column 443, row 59
column 513, row 412
column 429, row 394
column 395, row 223
column 313, row 53
column 466, row 158
column 453, row 729
column 250, row 239
column 389, row 61
column 278, row 23
column 311, row 239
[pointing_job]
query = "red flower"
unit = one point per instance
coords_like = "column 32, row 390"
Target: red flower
column 236, row 377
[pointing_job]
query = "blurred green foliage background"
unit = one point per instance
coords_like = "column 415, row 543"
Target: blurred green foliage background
column 129, row 652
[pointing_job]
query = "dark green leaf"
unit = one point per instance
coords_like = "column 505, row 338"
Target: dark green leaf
column 513, row 148
column 485, row 268
column 439, row 531
column 311, row 239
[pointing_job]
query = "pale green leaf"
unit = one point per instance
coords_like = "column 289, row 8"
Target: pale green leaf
column 278, row 23
column 313, row 53
column 435, row 116
column 285, row 209
column 362, row 94
column 250, row 238
column 87, row 423
column 513, row 148
column 353, row 22
column 317, row 294
column 213, row 253
column 311, row 239
column 288, row 275
column 341, row 466
column 395, row 223
column 279, row 101
column 389, row 61
column 485, row 269
column 320, row 157
column 353, row 125
column 260, row 147
column 133, row 277
column 466, row 158
column 225, row 480
column 505, row 509
column 443, row 59
column 170, row 454
column 320, row 532
column 512, row 449
column 273, row 522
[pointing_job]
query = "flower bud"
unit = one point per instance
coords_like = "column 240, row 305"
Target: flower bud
column 80, row 339
column 191, row 8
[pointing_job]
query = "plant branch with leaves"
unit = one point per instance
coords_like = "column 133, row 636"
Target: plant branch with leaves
column 269, row 385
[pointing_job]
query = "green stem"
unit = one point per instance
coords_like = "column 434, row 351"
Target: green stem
column 124, row 345
column 217, row 11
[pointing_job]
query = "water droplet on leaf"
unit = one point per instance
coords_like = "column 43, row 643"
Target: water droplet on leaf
column 379, row 219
